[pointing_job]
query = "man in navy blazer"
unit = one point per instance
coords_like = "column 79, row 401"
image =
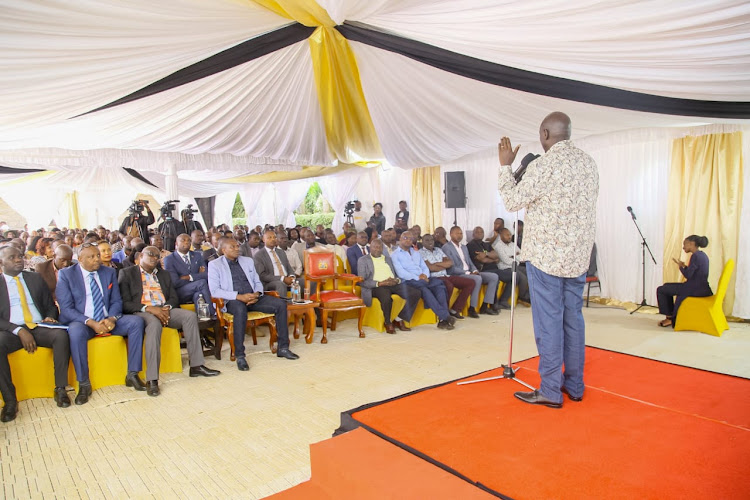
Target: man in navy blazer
column 463, row 266
column 90, row 304
column 354, row 252
column 233, row 278
column 189, row 274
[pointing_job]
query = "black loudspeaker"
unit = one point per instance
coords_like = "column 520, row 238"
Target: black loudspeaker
column 455, row 190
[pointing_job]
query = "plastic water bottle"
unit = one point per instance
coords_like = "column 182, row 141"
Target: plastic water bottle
column 295, row 291
column 202, row 308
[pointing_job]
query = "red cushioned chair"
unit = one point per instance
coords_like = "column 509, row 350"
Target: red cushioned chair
column 320, row 267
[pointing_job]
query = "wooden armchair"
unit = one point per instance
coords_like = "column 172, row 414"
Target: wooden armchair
column 254, row 319
column 320, row 267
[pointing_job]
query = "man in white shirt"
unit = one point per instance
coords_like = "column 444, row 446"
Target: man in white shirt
column 291, row 255
column 506, row 248
column 360, row 217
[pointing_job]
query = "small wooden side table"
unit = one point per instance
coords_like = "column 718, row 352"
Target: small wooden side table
column 306, row 310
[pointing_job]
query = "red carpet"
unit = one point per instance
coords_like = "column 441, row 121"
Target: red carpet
column 645, row 429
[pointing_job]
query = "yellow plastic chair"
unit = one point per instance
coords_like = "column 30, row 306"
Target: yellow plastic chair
column 706, row 314
column 33, row 374
column 374, row 315
column 171, row 356
column 108, row 361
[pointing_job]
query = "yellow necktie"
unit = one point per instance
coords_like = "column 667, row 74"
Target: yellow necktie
column 27, row 318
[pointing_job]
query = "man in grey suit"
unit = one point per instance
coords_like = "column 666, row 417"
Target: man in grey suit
column 463, row 266
column 380, row 281
column 148, row 292
column 273, row 267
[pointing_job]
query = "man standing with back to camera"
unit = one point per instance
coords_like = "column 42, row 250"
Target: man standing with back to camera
column 559, row 192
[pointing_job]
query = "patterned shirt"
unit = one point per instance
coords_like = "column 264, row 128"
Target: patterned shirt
column 152, row 294
column 434, row 257
column 559, row 194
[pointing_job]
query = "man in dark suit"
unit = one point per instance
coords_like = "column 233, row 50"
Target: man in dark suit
column 354, row 252
column 189, row 274
column 273, row 267
column 148, row 292
column 380, row 281
column 48, row 270
column 485, row 259
column 90, row 305
column 233, row 278
column 25, row 301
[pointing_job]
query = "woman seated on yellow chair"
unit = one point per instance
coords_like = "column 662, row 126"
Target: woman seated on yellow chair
column 696, row 280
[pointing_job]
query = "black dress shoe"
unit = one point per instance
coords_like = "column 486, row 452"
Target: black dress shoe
column 565, row 391
column 485, row 309
column 207, row 344
column 473, row 313
column 445, row 325
column 84, row 392
column 61, row 397
column 242, row 365
column 535, row 398
column 401, row 325
column 203, row 371
column 134, row 381
column 456, row 315
column 286, row 353
column 500, row 305
column 9, row 411
column 152, row 388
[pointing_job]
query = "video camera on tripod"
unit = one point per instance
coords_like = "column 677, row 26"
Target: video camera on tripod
column 349, row 211
column 187, row 213
column 168, row 208
column 136, row 208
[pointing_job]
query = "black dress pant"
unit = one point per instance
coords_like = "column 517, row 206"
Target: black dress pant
column 56, row 338
column 506, row 276
column 409, row 294
column 266, row 304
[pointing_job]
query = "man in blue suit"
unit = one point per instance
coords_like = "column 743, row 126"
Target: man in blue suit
column 189, row 275
column 354, row 252
column 233, row 278
column 463, row 266
column 90, row 305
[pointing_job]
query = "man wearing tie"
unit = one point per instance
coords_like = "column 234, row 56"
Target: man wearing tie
column 233, row 278
column 91, row 306
column 354, row 252
column 188, row 272
column 26, row 301
column 273, row 266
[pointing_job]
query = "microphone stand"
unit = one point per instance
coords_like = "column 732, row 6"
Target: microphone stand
column 508, row 371
column 644, row 246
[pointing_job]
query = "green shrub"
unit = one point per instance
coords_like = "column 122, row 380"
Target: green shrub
column 312, row 220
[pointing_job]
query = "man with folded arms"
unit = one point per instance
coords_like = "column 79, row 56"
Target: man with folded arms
column 233, row 278
column 187, row 269
column 438, row 263
column 380, row 281
column 90, row 304
column 464, row 267
column 25, row 301
column 410, row 267
column 148, row 292
column 485, row 259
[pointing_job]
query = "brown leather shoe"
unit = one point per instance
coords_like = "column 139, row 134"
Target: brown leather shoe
column 389, row 328
column 402, row 326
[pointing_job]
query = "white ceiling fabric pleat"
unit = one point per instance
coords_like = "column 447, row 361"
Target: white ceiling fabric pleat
column 695, row 49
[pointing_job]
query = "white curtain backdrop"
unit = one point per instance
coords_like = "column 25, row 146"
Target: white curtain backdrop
column 223, row 208
column 338, row 190
column 288, row 196
column 393, row 185
column 251, row 196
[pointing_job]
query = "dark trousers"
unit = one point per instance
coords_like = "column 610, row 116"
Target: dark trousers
column 433, row 295
column 465, row 285
column 266, row 304
column 192, row 290
column 56, row 338
column 129, row 326
column 522, row 281
column 506, row 276
column 410, row 294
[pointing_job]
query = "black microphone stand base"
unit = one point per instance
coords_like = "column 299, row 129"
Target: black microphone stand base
column 509, row 373
column 642, row 304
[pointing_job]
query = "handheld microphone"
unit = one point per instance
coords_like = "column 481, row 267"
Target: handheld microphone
column 518, row 174
column 632, row 214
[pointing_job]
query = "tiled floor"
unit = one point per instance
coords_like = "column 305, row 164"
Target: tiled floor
column 246, row 434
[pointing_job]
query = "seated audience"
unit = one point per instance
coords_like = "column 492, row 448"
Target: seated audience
column 359, row 250
column 440, row 237
column 438, row 263
column 293, row 235
column 695, row 284
column 273, row 267
column 485, row 259
column 416, row 232
column 25, row 301
column 346, row 229
column 498, row 226
column 49, row 270
column 380, row 281
column 233, row 278
column 291, row 254
column 464, row 266
column 44, row 252
column 413, row 271
column 198, row 241
column 148, row 292
column 333, row 245
column 213, row 250
column 320, row 234
column 310, row 245
column 350, row 241
column 90, row 305
column 106, row 254
column 252, row 246
column 505, row 249
column 389, row 240
column 188, row 274
column 137, row 246
column 115, row 242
